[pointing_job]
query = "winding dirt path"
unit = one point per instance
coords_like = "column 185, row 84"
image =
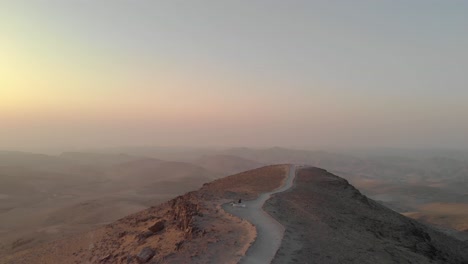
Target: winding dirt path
column 269, row 231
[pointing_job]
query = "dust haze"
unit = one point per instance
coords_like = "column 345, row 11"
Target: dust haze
column 144, row 131
column 46, row 197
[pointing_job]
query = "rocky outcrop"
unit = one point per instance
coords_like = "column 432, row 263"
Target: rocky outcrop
column 184, row 211
column 187, row 229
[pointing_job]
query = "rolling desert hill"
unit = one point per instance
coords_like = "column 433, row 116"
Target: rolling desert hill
column 189, row 228
column 313, row 158
column 24, row 159
column 407, row 181
column 226, row 164
column 417, row 184
column 44, row 197
column 99, row 159
column 326, row 220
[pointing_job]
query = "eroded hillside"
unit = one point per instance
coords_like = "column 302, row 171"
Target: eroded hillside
column 189, row 228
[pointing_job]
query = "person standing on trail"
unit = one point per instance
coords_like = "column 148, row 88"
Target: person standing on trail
column 240, row 201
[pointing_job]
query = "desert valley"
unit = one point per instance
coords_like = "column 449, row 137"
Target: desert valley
column 68, row 202
column 223, row 132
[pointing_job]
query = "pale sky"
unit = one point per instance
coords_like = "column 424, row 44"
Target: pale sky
column 80, row 74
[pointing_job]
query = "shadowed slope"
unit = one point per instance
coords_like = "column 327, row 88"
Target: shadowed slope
column 328, row 221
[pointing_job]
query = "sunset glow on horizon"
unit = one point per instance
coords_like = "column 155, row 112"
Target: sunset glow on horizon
column 83, row 73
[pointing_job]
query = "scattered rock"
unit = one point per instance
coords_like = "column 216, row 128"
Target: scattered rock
column 158, row 226
column 145, row 255
column 130, row 259
column 143, row 236
column 105, row 259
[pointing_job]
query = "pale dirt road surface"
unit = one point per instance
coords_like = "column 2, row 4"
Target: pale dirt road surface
column 269, row 231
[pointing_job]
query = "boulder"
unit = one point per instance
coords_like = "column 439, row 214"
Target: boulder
column 158, row 226
column 145, row 255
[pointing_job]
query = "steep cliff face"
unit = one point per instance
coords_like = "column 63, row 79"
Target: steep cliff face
column 327, row 220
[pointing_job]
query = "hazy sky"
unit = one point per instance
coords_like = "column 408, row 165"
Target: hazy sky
column 246, row 73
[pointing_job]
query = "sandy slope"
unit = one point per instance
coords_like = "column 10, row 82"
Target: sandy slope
column 269, row 231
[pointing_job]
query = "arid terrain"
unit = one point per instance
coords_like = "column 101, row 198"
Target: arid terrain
column 222, row 132
column 327, row 220
column 413, row 182
column 189, row 228
column 45, row 198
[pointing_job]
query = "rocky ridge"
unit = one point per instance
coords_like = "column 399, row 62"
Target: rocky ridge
column 191, row 228
column 327, row 220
